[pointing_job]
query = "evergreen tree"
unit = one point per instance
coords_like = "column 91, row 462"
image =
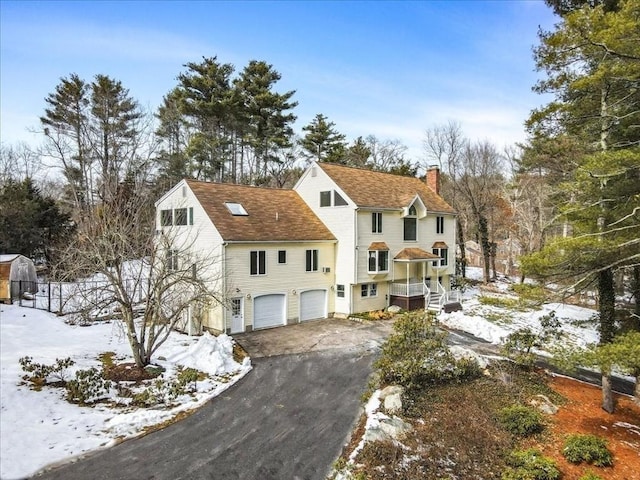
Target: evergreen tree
column 322, row 142
column 591, row 61
column 31, row 224
column 268, row 126
column 207, row 102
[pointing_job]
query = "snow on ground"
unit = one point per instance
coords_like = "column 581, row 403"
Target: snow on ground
column 493, row 323
column 39, row 428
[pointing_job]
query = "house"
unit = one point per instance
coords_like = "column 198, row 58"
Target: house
column 17, row 277
column 395, row 236
column 271, row 256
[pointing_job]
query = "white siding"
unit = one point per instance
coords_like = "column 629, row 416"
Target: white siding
column 199, row 243
column 341, row 222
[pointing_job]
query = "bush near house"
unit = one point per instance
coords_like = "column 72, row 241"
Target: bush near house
column 591, row 449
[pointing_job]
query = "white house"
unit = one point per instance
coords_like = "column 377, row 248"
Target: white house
column 344, row 240
column 396, row 236
column 272, row 258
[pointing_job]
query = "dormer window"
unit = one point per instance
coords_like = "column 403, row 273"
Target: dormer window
column 236, row 209
column 413, row 211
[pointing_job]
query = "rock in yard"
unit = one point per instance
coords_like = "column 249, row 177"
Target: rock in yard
column 460, row 352
column 392, row 397
column 393, row 309
column 388, row 428
column 542, row 403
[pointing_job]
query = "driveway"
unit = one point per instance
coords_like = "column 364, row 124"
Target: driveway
column 287, row 419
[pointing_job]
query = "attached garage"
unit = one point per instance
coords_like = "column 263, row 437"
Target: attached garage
column 269, row 311
column 313, row 304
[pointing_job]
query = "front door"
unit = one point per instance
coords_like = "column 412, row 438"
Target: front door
column 237, row 318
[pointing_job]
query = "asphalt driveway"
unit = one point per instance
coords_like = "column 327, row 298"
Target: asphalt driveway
column 287, row 419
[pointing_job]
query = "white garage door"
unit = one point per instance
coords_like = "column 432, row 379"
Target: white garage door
column 268, row 311
column 312, row 304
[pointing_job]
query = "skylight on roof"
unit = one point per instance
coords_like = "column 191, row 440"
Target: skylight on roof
column 236, row 208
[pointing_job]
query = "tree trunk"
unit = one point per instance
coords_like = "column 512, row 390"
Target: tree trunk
column 608, row 403
column 636, row 296
column 486, row 247
column 607, row 329
column 463, row 254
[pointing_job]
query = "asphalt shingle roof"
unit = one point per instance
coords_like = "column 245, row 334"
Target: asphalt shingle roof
column 273, row 214
column 383, row 190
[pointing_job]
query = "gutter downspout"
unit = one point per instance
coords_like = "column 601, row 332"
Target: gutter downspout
column 224, row 285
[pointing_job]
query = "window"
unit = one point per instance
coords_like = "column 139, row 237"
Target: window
column 172, row 260
column 411, row 225
column 378, row 261
column 312, row 261
column 236, row 209
column 376, row 222
column 369, row 290
column 338, row 201
column 236, row 306
column 443, row 253
column 282, row 256
column 439, row 224
column 258, row 262
column 180, row 216
column 190, row 215
column 325, row 199
column 410, row 229
column 340, row 291
column 166, row 218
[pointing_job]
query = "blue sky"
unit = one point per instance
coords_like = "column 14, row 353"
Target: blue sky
column 392, row 69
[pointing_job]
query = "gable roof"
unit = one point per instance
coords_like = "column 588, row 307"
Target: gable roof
column 272, row 214
column 383, row 190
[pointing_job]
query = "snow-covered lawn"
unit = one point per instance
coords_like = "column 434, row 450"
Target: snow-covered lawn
column 38, row 428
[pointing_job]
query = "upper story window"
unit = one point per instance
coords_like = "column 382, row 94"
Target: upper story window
column 331, row 197
column 411, row 225
column 166, row 218
column 258, row 259
column 338, row 201
column 311, row 264
column 325, row 199
column 282, row 256
column 180, row 216
column 439, row 224
column 172, row 260
column 376, row 222
column 177, row 217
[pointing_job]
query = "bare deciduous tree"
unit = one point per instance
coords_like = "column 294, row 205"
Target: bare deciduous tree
column 152, row 283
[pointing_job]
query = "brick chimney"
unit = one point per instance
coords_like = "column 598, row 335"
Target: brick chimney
column 433, row 178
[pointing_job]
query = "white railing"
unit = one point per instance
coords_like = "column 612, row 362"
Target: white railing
column 402, row 289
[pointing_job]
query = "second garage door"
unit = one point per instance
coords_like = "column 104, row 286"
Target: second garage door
column 268, row 311
column 313, row 304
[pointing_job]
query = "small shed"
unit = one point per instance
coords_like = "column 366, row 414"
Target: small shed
column 17, row 276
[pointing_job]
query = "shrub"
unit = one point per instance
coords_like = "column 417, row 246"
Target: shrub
column 580, row 448
column 88, row 387
column 416, row 353
column 521, row 420
column 590, row 476
column 39, row 372
column 517, row 346
column 530, row 465
column 530, row 293
column 501, row 302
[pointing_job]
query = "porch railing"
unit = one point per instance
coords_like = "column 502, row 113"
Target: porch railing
column 404, row 289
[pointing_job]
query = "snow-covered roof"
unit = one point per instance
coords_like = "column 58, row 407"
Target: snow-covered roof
column 9, row 257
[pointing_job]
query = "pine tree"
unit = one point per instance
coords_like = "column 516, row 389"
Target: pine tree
column 591, row 61
column 323, row 142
